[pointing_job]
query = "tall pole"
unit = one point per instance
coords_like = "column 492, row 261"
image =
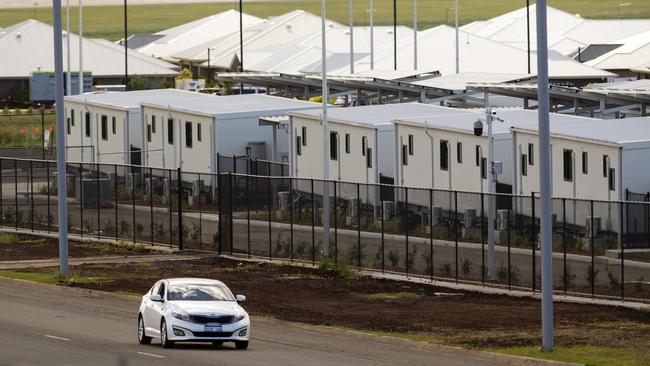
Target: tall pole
column 372, row 35
column 126, row 49
column 351, row 22
column 68, row 78
column 457, row 43
column 60, row 138
column 491, row 185
column 528, row 31
column 544, row 177
column 415, row 34
column 326, row 168
column 241, row 43
column 395, row 34
column 81, row 48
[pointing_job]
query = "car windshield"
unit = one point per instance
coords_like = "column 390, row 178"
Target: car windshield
column 191, row 292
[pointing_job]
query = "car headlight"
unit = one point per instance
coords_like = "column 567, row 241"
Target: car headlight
column 239, row 317
column 181, row 316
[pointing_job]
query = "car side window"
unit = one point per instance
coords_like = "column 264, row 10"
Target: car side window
column 161, row 291
column 155, row 288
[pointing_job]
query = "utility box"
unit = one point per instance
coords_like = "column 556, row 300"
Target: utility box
column 41, row 85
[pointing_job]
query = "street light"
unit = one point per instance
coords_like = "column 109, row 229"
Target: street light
column 126, row 49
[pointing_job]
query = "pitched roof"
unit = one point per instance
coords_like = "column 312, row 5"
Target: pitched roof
column 27, row 47
column 634, row 52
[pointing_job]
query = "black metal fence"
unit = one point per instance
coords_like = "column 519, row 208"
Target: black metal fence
column 246, row 165
column 436, row 234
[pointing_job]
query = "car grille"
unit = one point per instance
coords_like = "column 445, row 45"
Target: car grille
column 213, row 334
column 201, row 319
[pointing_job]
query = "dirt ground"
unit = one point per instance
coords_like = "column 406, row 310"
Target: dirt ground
column 27, row 247
column 454, row 317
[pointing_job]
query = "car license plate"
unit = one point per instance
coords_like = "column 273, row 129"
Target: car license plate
column 213, row 328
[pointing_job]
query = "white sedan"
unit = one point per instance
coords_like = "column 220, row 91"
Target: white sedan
column 192, row 310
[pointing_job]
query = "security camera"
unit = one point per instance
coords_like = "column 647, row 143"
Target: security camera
column 478, row 128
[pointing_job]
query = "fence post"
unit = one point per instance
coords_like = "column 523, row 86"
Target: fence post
column 269, row 203
column 171, row 225
column 509, row 245
column 133, row 202
column 455, row 221
column 533, row 238
column 234, row 164
column 313, row 222
column 200, row 183
column 151, row 222
column 358, row 225
column 98, row 201
column 117, row 226
column 16, row 191
column 248, row 215
column 646, row 210
column 431, row 233
column 336, row 231
column 290, row 219
column 591, row 244
column 623, row 254
column 43, row 133
column 1, row 185
column 564, row 243
column 179, row 189
column 383, row 257
column 47, row 175
column 405, row 222
column 81, row 195
column 31, row 191
column 230, row 213
column 483, row 238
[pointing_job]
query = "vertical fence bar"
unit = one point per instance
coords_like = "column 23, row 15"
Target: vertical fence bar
column 1, row 198
column 98, row 201
column 509, row 250
column 117, row 237
column 81, row 194
column 358, row 226
column 171, row 232
column 290, row 219
column 200, row 198
column 31, row 193
column 591, row 244
column 455, row 223
column 269, row 203
column 532, row 240
column 230, row 212
column 564, row 243
column 383, row 257
column 47, row 175
column 336, row 226
column 248, row 216
column 133, row 202
column 405, row 222
column 179, row 191
column 431, row 234
column 16, row 191
column 151, row 222
column 623, row 251
column 483, row 238
column 313, row 224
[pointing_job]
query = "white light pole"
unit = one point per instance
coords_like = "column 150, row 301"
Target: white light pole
column 544, row 177
column 68, row 78
column 372, row 35
column 457, row 52
column 81, row 52
column 60, row 138
column 326, row 173
column 415, row 34
column 351, row 22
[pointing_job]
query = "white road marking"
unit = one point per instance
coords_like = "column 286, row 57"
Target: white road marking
column 57, row 338
column 150, row 355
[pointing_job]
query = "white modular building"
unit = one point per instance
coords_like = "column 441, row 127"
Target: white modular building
column 189, row 133
column 361, row 141
column 106, row 127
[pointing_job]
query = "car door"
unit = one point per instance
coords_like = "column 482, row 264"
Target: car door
column 158, row 308
column 151, row 320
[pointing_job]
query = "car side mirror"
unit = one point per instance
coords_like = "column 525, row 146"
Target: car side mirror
column 155, row 297
column 241, row 298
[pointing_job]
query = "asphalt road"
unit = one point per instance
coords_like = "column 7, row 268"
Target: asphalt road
column 52, row 325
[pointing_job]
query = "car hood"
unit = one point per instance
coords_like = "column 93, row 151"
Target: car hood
column 207, row 307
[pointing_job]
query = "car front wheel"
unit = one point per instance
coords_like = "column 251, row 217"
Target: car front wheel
column 142, row 337
column 166, row 343
column 241, row 344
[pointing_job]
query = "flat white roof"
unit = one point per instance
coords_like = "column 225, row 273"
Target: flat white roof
column 458, row 82
column 132, row 99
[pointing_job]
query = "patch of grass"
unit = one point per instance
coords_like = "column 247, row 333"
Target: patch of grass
column 394, row 295
column 129, row 293
column 407, row 336
column 328, row 267
column 591, row 356
column 106, row 21
column 52, row 278
column 7, row 238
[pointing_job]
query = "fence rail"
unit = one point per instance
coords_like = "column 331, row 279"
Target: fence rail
column 416, row 231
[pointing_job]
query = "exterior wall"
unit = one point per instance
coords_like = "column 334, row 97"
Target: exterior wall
column 161, row 154
column 233, row 135
column 349, row 167
column 636, row 177
column 584, row 186
column 464, row 176
column 94, row 148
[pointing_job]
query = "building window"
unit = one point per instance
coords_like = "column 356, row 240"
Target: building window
column 153, row 124
column 531, row 154
column 104, row 121
column 605, row 159
column 87, row 124
column 585, row 163
column 411, row 147
column 477, row 152
column 364, row 145
column 347, row 143
column 298, row 145
column 484, row 168
column 405, row 155
column 567, row 157
column 72, row 117
column 369, row 158
column 444, row 155
column 148, row 133
column 68, row 125
column 612, row 179
column 334, row 137
column 114, row 125
column 304, row 136
column 524, row 165
column 199, row 134
column 459, row 152
column 170, row 131
column 188, row 135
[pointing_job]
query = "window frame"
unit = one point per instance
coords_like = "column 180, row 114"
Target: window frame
column 369, row 158
column 523, row 165
column 444, row 157
column 585, row 162
column 459, row 152
column 199, row 132
column 567, row 165
column 114, row 125
column 364, row 145
column 170, row 131
column 304, row 135
column 531, row 154
column 298, row 145
column 611, row 179
column 334, row 137
column 189, row 139
column 347, row 143
column 104, row 127
column 405, row 155
column 411, row 144
column 87, row 124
